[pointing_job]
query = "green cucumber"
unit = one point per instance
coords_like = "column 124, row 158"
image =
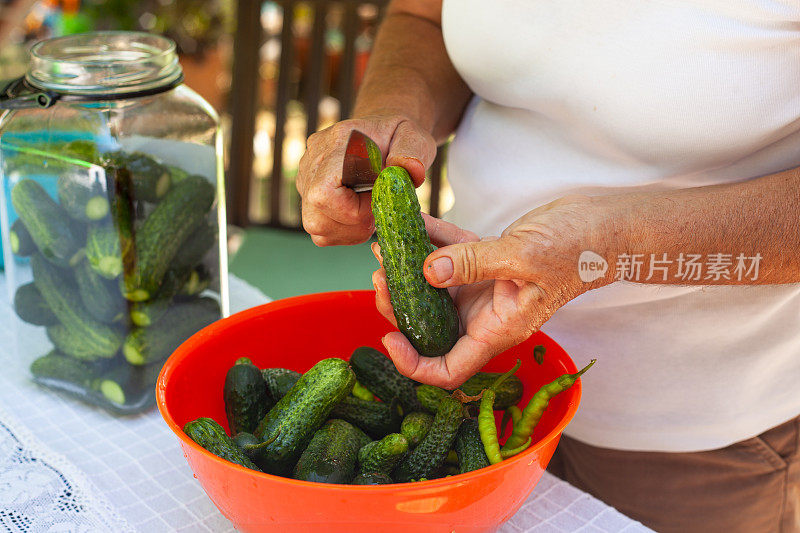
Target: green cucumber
column 429, row 397
column 149, row 312
column 176, row 217
column 196, row 247
column 280, row 381
column 377, row 373
column 197, row 281
column 429, row 456
column 296, row 416
column 177, row 174
column 360, row 391
column 58, row 367
column 415, row 427
column 372, row 478
column 384, row 455
column 72, row 343
column 20, row 239
column 211, row 436
column 103, row 250
column 31, row 307
column 47, row 222
column 64, row 300
column 245, row 396
column 155, row 343
column 331, row 455
column 125, row 384
column 426, row 315
column 151, row 180
column 469, row 447
column 508, row 393
column 377, row 419
column 100, row 296
column 82, row 197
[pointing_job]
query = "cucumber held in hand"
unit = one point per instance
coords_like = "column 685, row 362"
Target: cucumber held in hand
column 300, row 413
column 245, row 396
column 426, row 315
column 210, row 435
column 31, row 307
column 47, row 222
column 175, row 218
column 58, row 290
column 155, row 343
column 20, row 239
column 331, row 456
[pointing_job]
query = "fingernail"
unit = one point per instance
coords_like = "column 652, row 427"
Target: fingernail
column 441, row 269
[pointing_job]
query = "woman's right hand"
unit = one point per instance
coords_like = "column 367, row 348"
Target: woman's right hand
column 334, row 214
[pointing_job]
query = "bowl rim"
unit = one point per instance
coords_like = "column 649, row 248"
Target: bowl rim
column 198, row 338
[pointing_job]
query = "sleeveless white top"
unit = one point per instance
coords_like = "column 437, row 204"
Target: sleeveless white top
column 610, row 96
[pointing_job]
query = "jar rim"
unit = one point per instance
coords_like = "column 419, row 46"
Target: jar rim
column 104, row 63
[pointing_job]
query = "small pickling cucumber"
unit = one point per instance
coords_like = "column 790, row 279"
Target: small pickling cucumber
column 149, row 312
column 245, row 396
column 301, row 412
column 378, row 374
column 100, row 296
column 73, row 343
column 280, row 381
column 62, row 296
column 58, row 367
column 331, row 455
column 151, row 180
column 211, row 436
column 82, row 197
column 372, row 479
column 20, row 239
column 155, row 343
column 177, row 216
column 103, row 250
column 425, row 315
column 469, row 447
column 384, row 455
column 429, row 397
column 31, row 307
column 360, row 391
column 377, row 419
column 429, row 456
column 124, row 383
column 196, row 246
column 197, row 281
column 415, row 427
column 47, row 222
column 508, row 393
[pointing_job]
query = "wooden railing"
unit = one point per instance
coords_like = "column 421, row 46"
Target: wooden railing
column 313, row 87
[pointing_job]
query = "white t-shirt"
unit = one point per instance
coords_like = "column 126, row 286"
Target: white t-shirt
column 610, row 96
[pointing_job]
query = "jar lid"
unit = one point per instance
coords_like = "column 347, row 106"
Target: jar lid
column 105, row 65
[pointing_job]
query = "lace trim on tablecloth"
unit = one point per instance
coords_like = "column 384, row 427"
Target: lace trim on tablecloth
column 41, row 491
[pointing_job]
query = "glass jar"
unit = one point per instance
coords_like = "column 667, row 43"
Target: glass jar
column 112, row 214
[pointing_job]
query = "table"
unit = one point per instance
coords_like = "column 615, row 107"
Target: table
column 76, row 468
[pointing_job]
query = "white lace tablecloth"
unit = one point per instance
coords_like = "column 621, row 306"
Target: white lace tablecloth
column 69, row 467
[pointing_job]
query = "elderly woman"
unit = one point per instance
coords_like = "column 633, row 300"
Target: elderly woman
column 639, row 163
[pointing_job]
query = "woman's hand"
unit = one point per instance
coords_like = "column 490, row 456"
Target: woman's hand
column 504, row 288
column 334, row 214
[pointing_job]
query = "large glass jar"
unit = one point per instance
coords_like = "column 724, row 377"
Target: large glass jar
column 112, row 214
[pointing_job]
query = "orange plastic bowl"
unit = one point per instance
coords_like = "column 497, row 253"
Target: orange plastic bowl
column 296, row 333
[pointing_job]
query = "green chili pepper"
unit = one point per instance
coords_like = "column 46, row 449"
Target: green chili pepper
column 535, row 408
column 486, row 426
column 509, row 453
column 538, row 353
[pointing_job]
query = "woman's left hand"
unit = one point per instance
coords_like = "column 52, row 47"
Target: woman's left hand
column 504, row 287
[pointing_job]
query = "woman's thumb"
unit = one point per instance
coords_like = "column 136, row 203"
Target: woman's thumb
column 471, row 262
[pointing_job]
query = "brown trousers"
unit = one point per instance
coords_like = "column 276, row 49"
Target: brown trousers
column 752, row 486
